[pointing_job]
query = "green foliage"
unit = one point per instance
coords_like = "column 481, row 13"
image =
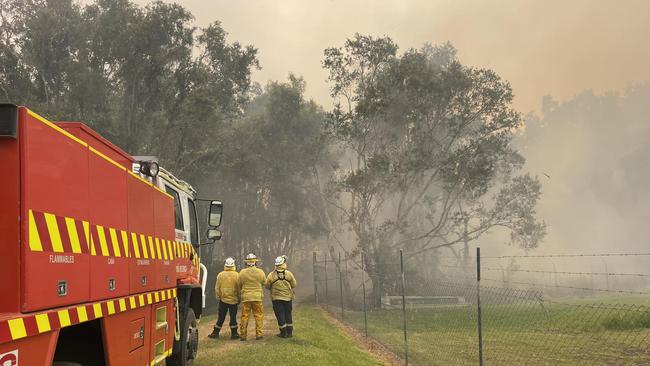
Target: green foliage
column 144, row 77
column 267, row 171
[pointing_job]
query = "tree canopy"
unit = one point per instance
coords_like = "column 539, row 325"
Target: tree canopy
column 433, row 164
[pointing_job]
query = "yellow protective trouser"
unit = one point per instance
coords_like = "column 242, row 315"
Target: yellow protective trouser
column 258, row 312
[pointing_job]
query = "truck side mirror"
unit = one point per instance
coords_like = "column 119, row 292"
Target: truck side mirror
column 216, row 210
column 214, row 234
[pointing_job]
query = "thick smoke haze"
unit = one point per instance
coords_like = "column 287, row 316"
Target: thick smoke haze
column 592, row 154
column 552, row 47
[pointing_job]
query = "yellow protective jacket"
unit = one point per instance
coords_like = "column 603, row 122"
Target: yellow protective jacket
column 251, row 283
column 227, row 287
column 281, row 286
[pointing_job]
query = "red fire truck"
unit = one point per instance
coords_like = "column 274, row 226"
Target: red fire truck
column 99, row 251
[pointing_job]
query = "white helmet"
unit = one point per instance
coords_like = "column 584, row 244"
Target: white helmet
column 230, row 262
column 251, row 259
column 280, row 260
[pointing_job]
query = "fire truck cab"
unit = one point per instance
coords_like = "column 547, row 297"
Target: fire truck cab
column 99, row 250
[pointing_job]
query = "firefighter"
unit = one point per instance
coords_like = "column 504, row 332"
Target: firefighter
column 227, row 291
column 281, row 282
column 251, row 284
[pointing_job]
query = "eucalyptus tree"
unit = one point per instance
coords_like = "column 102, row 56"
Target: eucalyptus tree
column 432, row 161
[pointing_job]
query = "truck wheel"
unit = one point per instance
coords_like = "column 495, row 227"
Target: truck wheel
column 186, row 349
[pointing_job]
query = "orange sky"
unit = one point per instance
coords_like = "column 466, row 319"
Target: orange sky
column 557, row 47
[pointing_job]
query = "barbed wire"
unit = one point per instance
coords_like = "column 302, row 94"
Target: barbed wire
column 568, row 287
column 568, row 273
column 568, row 255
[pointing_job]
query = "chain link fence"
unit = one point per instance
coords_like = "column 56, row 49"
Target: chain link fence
column 468, row 310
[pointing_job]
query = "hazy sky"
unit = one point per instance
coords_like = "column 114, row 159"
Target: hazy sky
column 557, row 47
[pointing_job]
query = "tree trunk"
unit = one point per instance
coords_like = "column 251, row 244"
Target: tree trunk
column 374, row 300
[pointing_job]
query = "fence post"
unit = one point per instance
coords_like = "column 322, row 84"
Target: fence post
column 406, row 343
column 326, row 285
column 478, row 304
column 363, row 286
column 341, row 287
column 346, row 291
column 315, row 278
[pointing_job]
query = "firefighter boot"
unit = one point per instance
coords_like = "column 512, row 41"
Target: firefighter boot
column 289, row 331
column 215, row 333
column 283, row 332
column 234, row 334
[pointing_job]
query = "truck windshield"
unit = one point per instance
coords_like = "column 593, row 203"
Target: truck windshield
column 194, row 227
column 178, row 213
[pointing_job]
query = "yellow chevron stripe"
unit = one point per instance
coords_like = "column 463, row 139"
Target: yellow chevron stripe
column 158, row 253
column 110, row 307
column 164, row 248
column 125, row 243
column 144, row 246
column 97, row 310
column 55, row 236
column 43, row 323
column 152, row 250
column 136, row 246
column 72, row 233
column 17, row 328
column 82, row 314
column 115, row 242
column 89, row 239
column 34, row 239
column 64, row 318
column 102, row 240
column 169, row 250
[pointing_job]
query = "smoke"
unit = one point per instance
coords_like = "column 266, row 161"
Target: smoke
column 551, row 47
column 591, row 153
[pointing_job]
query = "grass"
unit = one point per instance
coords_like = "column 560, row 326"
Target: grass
column 517, row 334
column 316, row 342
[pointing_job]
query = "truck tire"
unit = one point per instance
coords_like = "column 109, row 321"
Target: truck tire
column 64, row 363
column 186, row 349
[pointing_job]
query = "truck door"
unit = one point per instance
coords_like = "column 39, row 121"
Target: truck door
column 183, row 266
